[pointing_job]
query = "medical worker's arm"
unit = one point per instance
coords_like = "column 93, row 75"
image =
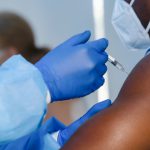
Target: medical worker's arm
column 126, row 124
column 42, row 138
column 75, row 68
column 66, row 134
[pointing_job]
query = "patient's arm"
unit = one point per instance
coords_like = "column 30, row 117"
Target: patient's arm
column 126, row 124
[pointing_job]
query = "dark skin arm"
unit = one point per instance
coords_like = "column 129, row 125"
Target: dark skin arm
column 126, row 124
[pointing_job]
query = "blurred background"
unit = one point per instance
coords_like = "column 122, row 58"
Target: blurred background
column 53, row 21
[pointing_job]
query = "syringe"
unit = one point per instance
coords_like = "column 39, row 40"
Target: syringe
column 115, row 63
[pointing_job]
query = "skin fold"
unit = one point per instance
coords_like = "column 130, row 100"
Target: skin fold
column 126, row 124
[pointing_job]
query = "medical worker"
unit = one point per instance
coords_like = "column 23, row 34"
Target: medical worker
column 21, row 116
column 73, row 69
column 65, row 82
column 78, row 72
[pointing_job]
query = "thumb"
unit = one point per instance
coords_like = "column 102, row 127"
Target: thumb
column 79, row 38
column 66, row 134
column 100, row 45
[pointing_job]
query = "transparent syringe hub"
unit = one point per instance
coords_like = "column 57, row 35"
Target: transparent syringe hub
column 115, row 63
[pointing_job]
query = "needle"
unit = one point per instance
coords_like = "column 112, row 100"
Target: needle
column 115, row 63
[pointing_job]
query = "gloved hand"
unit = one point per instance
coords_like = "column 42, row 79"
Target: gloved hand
column 66, row 134
column 41, row 139
column 75, row 68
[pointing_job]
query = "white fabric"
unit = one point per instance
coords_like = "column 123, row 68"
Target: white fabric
column 50, row 143
column 129, row 27
column 131, row 3
column 48, row 97
column 55, row 135
column 148, row 27
column 22, row 98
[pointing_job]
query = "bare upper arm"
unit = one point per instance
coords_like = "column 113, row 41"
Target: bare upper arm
column 126, row 124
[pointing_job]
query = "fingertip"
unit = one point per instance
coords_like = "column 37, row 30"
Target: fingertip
column 107, row 102
column 104, row 104
column 102, row 81
column 99, row 45
column 105, row 70
column 87, row 33
column 80, row 38
column 105, row 55
column 105, row 42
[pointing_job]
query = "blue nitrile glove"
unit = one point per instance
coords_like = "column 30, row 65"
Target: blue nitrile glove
column 75, row 68
column 66, row 134
column 41, row 139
